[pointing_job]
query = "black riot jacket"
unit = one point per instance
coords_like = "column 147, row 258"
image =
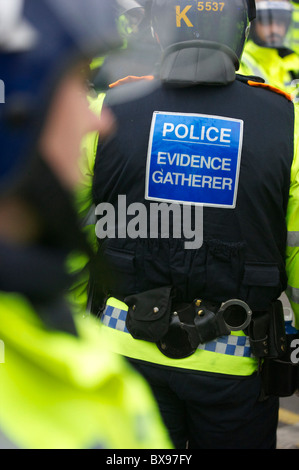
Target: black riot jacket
column 243, row 250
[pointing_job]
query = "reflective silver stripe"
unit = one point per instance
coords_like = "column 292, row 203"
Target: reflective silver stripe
column 6, row 443
column 293, row 239
column 255, row 70
column 2, row 352
column 293, row 294
column 90, row 217
column 115, row 318
column 231, row 345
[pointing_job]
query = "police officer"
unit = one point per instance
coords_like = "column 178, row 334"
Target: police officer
column 194, row 306
column 267, row 53
column 60, row 386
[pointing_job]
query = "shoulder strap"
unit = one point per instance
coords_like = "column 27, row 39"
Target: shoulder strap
column 271, row 88
column 129, row 79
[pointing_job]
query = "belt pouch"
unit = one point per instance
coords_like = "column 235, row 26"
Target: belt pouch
column 190, row 325
column 280, row 376
column 148, row 315
column 182, row 337
column 267, row 332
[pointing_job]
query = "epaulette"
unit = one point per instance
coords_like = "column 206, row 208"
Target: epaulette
column 271, row 88
column 130, row 79
column 259, row 82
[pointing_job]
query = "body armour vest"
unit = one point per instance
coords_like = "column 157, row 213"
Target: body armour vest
column 229, row 146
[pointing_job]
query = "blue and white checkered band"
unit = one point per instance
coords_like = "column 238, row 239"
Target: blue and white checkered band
column 115, row 318
column 231, row 345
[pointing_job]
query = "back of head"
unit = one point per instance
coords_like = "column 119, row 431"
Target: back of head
column 41, row 43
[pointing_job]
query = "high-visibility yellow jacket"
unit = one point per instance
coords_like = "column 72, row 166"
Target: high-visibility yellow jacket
column 265, row 62
column 60, row 391
column 294, row 30
column 86, row 211
column 292, row 250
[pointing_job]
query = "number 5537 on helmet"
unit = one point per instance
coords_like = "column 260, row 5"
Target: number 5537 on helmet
column 223, row 23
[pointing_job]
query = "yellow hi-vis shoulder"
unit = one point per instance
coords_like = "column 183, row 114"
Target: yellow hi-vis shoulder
column 59, row 391
column 229, row 355
column 265, row 62
column 292, row 250
column 77, row 262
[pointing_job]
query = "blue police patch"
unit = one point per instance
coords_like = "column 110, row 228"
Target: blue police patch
column 194, row 159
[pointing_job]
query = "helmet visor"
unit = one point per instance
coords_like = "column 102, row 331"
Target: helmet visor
column 273, row 20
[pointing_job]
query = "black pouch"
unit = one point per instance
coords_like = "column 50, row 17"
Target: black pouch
column 267, row 332
column 280, row 377
column 148, row 316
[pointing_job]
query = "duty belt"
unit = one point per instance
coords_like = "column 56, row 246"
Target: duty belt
column 181, row 340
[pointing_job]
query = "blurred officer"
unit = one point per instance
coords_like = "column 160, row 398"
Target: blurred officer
column 136, row 59
column 60, row 386
column 267, row 53
column 199, row 316
column 294, row 29
column 140, row 51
